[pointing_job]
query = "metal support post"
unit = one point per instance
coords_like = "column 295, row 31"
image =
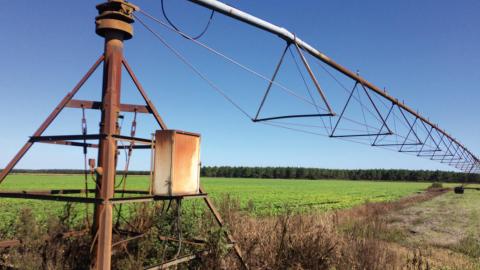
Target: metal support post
column 114, row 24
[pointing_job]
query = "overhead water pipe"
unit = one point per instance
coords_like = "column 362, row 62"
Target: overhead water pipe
column 292, row 38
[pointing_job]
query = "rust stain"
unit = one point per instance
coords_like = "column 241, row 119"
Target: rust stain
column 177, row 163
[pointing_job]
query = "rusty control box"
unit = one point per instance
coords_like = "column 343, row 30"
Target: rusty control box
column 176, row 163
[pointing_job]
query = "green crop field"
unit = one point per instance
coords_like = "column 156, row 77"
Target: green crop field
column 270, row 196
column 259, row 196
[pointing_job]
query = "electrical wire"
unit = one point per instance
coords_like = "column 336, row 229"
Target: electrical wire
column 194, row 69
column 201, row 75
column 213, row 85
column 178, row 30
column 84, row 133
column 343, row 86
column 363, row 111
column 128, row 155
column 322, row 135
column 128, row 152
column 244, row 67
column 179, row 227
column 220, row 91
column 228, row 59
column 382, row 101
column 152, row 166
column 306, row 86
column 314, row 126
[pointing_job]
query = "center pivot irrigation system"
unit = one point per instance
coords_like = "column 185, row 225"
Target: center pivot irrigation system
column 388, row 123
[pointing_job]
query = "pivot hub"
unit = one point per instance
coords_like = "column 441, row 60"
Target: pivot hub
column 115, row 15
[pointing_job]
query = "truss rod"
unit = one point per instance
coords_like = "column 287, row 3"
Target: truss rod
column 291, row 38
column 50, row 119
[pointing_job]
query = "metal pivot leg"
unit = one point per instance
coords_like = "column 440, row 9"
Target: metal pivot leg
column 220, row 222
column 114, row 24
column 49, row 120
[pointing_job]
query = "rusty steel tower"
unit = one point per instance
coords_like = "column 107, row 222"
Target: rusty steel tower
column 114, row 24
column 419, row 136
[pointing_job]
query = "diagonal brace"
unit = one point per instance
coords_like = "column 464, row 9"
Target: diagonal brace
column 49, row 119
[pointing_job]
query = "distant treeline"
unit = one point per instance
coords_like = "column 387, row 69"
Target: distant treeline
column 310, row 173
column 316, row 173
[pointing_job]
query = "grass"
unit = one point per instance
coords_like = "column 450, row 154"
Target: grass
column 258, row 196
column 285, row 241
column 414, row 232
column 270, row 196
column 446, row 223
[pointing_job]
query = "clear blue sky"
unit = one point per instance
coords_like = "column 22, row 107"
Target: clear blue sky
column 425, row 52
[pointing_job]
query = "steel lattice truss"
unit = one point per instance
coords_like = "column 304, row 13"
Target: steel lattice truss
column 380, row 120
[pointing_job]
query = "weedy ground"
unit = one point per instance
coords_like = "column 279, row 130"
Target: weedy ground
column 434, row 229
column 260, row 197
column 446, row 228
column 370, row 236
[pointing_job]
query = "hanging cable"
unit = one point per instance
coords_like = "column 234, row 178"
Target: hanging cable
column 164, row 240
column 356, row 141
column 85, row 162
column 221, row 55
column 306, row 86
column 344, row 87
column 210, row 19
column 128, row 151
column 194, row 69
column 314, row 126
column 280, row 125
column 395, row 116
column 219, row 90
column 128, row 155
column 215, row 87
column 179, row 227
column 201, row 75
column 384, row 102
column 229, row 59
column 363, row 111
column 152, row 165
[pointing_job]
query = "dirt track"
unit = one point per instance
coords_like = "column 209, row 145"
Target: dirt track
column 445, row 229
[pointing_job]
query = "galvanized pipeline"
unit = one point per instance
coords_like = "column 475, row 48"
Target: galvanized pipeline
column 292, row 38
